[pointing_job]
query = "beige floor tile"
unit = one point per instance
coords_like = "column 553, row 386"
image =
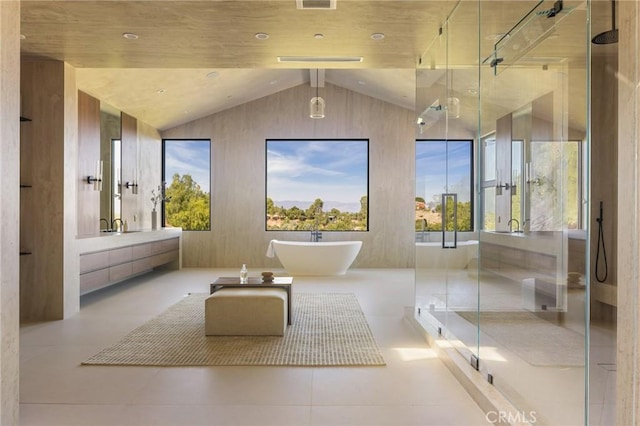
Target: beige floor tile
column 432, row 415
column 70, row 414
column 215, row 415
column 228, row 386
column 56, row 389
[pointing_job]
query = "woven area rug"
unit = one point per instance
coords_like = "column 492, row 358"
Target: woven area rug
column 535, row 340
column 329, row 329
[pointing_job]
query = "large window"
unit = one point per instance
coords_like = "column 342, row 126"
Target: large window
column 186, row 169
column 544, row 181
column 443, row 167
column 317, row 185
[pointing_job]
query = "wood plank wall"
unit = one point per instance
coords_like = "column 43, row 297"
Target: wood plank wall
column 48, row 209
column 88, row 154
column 238, row 175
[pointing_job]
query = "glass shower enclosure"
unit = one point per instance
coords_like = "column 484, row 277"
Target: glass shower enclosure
column 510, row 292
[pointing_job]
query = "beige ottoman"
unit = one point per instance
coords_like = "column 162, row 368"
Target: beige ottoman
column 246, row 312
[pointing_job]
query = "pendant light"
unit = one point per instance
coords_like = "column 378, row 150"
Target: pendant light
column 316, row 105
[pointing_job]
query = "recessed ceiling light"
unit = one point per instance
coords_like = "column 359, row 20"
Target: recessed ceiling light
column 130, row 36
column 318, row 36
column 362, row 82
column 22, row 36
column 472, row 91
column 160, row 91
column 272, row 82
column 213, row 74
column 262, row 36
column 377, row 36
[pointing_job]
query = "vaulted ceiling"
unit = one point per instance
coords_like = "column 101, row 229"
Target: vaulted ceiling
column 187, row 59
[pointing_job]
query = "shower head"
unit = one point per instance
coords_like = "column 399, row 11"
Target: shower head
column 611, row 36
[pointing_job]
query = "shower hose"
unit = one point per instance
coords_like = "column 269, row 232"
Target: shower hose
column 604, row 251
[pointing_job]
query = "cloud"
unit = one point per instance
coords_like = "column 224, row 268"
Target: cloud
column 331, row 170
column 189, row 157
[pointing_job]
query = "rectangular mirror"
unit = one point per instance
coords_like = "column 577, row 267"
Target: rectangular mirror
column 110, row 148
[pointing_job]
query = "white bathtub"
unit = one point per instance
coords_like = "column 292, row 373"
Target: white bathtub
column 433, row 256
column 322, row 258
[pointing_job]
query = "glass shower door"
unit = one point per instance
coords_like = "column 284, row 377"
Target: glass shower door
column 446, row 252
column 532, row 317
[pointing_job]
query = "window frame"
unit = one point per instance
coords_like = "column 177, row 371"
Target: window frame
column 164, row 183
column 472, row 198
column 299, row 140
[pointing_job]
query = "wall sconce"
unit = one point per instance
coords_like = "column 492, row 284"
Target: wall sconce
column 133, row 184
column 506, row 186
column 96, row 179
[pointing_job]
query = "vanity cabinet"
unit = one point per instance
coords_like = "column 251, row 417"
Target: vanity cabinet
column 106, row 267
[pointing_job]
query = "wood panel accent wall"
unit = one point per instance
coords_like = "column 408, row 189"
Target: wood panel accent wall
column 628, row 225
column 150, row 176
column 604, row 152
column 49, row 154
column 88, row 154
column 9, row 211
column 238, row 175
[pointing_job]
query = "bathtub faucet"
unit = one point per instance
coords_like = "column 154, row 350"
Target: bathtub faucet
column 316, row 236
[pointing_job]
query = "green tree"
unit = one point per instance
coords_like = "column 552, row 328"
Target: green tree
column 187, row 205
column 271, row 208
column 315, row 208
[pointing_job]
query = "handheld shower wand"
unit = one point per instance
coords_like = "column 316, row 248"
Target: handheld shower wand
column 604, row 251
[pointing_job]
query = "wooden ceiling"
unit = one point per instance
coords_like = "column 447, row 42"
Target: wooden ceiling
column 180, row 42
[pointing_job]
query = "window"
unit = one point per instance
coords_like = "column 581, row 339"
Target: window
column 317, row 184
column 186, row 170
column 545, row 184
column 443, row 167
column 554, row 184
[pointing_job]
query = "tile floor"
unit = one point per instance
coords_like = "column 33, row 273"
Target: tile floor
column 415, row 388
column 527, row 386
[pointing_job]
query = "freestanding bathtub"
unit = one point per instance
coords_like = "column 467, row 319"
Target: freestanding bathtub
column 433, row 256
column 322, row 258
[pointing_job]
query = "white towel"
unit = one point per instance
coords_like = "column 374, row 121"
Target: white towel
column 271, row 251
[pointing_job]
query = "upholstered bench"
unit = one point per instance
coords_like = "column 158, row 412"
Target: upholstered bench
column 246, row 312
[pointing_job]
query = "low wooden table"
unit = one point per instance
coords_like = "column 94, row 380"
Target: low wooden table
column 256, row 282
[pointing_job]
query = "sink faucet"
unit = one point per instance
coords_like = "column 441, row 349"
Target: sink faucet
column 106, row 228
column 517, row 225
column 316, row 236
column 114, row 224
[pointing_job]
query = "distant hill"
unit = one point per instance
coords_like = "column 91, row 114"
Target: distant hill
column 327, row 206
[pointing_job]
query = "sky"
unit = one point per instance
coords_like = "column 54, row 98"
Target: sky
column 189, row 157
column 332, row 170
column 443, row 167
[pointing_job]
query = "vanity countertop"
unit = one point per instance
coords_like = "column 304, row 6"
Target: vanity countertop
column 548, row 242
column 110, row 240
